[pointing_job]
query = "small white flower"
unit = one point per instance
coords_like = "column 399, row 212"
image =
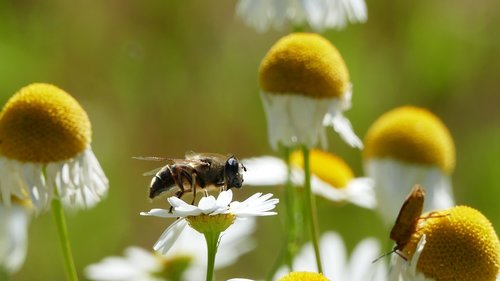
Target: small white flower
column 256, row 205
column 46, row 149
column 319, row 14
column 305, row 87
column 331, row 177
column 407, row 146
column 13, row 236
column 189, row 250
column 336, row 265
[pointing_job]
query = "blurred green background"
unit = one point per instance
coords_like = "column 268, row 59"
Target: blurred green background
column 163, row 77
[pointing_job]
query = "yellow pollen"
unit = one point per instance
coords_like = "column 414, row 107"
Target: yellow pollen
column 303, row 276
column 461, row 244
column 326, row 166
column 42, row 123
column 305, row 64
column 413, row 135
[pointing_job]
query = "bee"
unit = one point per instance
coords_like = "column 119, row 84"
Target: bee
column 196, row 170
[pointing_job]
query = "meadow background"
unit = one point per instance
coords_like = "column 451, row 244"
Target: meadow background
column 163, row 77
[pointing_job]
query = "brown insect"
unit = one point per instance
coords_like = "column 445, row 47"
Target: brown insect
column 407, row 220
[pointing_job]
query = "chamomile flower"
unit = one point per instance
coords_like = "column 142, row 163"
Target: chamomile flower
column 14, row 222
column 331, row 177
column 336, row 264
column 45, row 149
column 405, row 146
column 454, row 244
column 305, row 86
column 186, row 260
column 210, row 215
column 318, row 14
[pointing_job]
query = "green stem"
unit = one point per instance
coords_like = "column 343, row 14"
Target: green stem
column 291, row 227
column 212, row 239
column 62, row 230
column 310, row 207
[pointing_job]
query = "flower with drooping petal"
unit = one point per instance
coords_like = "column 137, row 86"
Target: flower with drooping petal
column 453, row 244
column 318, row 14
column 336, row 266
column 45, row 149
column 305, row 86
column 406, row 146
column 14, row 235
column 186, row 260
column 210, row 214
column 331, row 178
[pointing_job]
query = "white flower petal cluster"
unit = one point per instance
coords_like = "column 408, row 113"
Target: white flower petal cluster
column 255, row 205
column 270, row 170
column 80, row 181
column 13, row 236
column 319, row 14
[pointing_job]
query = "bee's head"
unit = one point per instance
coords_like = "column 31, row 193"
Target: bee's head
column 233, row 172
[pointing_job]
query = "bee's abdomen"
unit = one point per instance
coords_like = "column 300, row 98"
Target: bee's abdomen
column 161, row 182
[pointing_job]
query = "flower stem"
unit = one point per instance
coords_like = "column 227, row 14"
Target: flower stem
column 212, row 239
column 62, row 230
column 291, row 227
column 310, row 207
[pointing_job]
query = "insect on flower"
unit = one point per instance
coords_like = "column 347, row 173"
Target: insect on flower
column 203, row 170
column 407, row 220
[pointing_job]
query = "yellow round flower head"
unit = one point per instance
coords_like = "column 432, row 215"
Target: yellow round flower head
column 326, row 166
column 45, row 144
column 304, row 276
column 405, row 146
column 42, row 123
column 460, row 244
column 305, row 86
column 304, row 64
column 413, row 135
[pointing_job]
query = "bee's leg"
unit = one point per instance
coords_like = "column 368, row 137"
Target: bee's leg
column 193, row 187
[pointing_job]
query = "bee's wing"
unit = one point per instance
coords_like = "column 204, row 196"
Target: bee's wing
column 154, row 158
column 152, row 172
column 191, row 155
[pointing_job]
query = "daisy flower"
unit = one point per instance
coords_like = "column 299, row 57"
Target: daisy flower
column 45, row 150
column 211, row 218
column 331, row 177
column 318, row 14
column 405, row 146
column 305, row 86
column 13, row 235
column 336, row 264
column 454, row 244
column 186, row 260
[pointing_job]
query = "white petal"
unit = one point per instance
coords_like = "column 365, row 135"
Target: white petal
column 169, row 236
column 265, row 170
column 360, row 191
column 207, row 204
column 176, row 202
column 224, row 198
column 158, row 213
column 13, row 236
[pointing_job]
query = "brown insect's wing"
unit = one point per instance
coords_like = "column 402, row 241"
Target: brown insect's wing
column 191, row 155
column 407, row 220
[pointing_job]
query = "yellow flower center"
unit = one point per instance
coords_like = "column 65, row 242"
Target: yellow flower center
column 211, row 224
column 42, row 123
column 305, row 64
column 461, row 244
column 412, row 135
column 326, row 166
column 303, row 276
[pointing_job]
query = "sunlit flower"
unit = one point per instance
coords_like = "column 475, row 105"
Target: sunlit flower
column 453, row 244
column 331, row 178
column 45, row 148
column 210, row 215
column 305, row 86
column 406, row 146
column 318, row 14
column 336, row 265
column 186, row 260
column 13, row 235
